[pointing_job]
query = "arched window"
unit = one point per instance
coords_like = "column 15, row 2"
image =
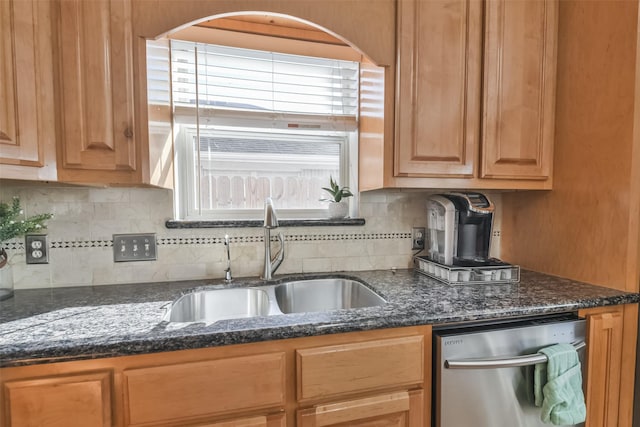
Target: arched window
column 250, row 124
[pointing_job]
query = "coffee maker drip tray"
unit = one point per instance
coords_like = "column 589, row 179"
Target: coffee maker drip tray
column 471, row 272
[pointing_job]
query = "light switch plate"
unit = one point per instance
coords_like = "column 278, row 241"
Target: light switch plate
column 36, row 248
column 134, row 247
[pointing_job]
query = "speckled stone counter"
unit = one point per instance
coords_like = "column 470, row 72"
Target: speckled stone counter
column 47, row 325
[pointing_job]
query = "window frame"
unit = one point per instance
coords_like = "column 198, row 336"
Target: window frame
column 184, row 187
column 186, row 191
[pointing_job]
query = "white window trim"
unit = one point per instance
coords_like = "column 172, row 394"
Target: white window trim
column 185, row 185
column 349, row 154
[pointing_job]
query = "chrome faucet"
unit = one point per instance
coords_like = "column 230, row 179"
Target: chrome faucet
column 227, row 271
column 271, row 222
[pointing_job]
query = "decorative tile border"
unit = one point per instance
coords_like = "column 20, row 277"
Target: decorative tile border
column 171, row 241
column 81, row 244
column 13, row 245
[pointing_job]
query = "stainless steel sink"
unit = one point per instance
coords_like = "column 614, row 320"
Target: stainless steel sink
column 305, row 296
column 212, row 305
column 298, row 296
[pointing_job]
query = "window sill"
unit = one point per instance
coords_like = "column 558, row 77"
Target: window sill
column 175, row 224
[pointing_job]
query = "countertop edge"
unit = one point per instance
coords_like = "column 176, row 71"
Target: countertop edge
column 129, row 345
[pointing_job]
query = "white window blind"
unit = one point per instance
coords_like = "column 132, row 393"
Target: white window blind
column 294, row 91
column 253, row 124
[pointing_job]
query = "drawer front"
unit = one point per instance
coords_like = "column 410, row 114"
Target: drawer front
column 82, row 400
column 277, row 420
column 194, row 390
column 349, row 368
column 398, row 409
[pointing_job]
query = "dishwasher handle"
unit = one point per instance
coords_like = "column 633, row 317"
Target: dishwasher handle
column 503, row 362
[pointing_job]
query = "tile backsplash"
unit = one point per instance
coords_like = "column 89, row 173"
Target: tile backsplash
column 81, row 248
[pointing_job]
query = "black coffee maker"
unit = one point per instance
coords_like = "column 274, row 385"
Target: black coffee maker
column 474, row 223
column 460, row 229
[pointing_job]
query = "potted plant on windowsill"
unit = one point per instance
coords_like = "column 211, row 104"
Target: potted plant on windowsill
column 338, row 205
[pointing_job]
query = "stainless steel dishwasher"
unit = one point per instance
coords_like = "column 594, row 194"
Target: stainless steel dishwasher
column 483, row 373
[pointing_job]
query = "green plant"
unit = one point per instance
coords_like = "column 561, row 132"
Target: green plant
column 337, row 193
column 14, row 224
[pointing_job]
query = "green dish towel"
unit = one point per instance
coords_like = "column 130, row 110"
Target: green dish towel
column 558, row 386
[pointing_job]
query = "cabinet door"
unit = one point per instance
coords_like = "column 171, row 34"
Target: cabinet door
column 96, row 90
column 438, row 92
column 604, row 366
column 27, row 133
column 401, row 409
column 67, row 401
column 519, row 89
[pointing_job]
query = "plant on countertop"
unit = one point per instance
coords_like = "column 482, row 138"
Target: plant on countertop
column 337, row 193
column 14, row 224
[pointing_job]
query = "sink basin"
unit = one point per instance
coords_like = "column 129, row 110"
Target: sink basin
column 212, row 305
column 304, row 296
column 299, row 296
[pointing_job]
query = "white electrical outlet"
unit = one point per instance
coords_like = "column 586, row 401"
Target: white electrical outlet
column 417, row 237
column 36, row 248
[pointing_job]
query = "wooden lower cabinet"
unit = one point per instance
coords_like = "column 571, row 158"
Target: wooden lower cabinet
column 337, row 370
column 331, row 373
column 201, row 389
column 82, row 400
column 607, row 358
column 373, row 378
column 397, row 409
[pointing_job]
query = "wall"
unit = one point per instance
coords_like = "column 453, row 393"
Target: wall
column 81, row 252
column 587, row 227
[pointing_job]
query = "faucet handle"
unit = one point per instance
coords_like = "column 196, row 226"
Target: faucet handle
column 270, row 218
column 227, row 271
column 279, row 257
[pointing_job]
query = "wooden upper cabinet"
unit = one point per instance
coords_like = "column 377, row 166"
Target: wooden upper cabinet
column 519, row 84
column 96, row 95
column 475, row 94
column 438, row 98
column 27, row 133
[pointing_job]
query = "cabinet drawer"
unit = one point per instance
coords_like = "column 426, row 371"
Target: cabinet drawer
column 81, row 400
column 348, row 368
column 401, row 409
column 193, row 390
column 277, row 420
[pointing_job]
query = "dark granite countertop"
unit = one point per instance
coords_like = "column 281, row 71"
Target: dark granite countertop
column 48, row 325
